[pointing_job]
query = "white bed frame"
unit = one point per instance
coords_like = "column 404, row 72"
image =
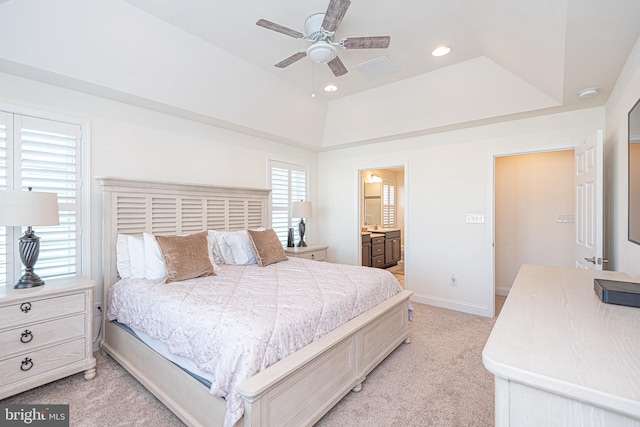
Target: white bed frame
column 296, row 391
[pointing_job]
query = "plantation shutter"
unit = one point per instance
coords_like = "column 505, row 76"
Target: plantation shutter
column 288, row 184
column 6, row 261
column 388, row 204
column 45, row 155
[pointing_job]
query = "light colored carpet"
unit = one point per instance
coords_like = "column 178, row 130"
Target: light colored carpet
column 436, row 380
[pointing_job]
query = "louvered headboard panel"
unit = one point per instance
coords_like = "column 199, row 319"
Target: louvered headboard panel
column 167, row 208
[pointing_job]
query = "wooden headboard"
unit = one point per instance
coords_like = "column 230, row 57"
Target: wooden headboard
column 168, row 208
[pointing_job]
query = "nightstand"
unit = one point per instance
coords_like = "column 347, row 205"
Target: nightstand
column 315, row 252
column 45, row 333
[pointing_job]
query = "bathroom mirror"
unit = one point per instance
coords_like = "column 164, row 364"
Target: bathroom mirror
column 634, row 173
column 372, row 204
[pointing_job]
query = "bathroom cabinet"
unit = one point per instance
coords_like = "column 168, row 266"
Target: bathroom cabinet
column 381, row 248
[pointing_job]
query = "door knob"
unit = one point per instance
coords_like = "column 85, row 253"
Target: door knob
column 595, row 260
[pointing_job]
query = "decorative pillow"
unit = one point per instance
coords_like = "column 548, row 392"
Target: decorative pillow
column 154, row 267
column 136, row 256
column 231, row 247
column 214, row 251
column 239, row 244
column 267, row 247
column 123, row 260
column 186, row 257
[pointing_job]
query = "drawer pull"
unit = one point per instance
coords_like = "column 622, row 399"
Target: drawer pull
column 27, row 364
column 26, row 336
column 25, row 307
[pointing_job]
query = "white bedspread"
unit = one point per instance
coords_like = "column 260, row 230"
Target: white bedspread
column 247, row 318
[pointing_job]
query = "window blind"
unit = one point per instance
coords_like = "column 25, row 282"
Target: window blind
column 288, row 184
column 45, row 155
column 388, row 204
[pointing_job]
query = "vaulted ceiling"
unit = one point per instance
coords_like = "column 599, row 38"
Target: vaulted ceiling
column 207, row 60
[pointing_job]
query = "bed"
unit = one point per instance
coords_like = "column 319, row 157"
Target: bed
column 297, row 390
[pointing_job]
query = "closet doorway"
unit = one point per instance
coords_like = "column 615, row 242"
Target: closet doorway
column 382, row 213
column 534, row 202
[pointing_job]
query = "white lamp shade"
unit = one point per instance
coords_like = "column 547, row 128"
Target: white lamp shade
column 301, row 210
column 28, row 208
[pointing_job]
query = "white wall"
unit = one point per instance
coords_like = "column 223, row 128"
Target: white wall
column 132, row 142
column 622, row 254
column 448, row 175
column 114, row 49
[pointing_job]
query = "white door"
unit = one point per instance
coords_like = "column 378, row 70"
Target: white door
column 589, row 202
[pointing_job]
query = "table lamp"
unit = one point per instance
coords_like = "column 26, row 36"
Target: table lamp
column 301, row 210
column 27, row 208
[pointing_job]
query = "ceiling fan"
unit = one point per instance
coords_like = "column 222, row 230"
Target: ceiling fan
column 320, row 29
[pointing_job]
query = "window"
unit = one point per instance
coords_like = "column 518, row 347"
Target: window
column 46, row 155
column 288, row 184
column 388, row 203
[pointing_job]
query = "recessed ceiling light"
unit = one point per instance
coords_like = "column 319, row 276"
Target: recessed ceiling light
column 331, row 88
column 589, row 92
column 441, row 51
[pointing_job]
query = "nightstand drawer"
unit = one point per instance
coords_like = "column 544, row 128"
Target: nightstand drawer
column 315, row 255
column 38, row 334
column 41, row 361
column 42, row 309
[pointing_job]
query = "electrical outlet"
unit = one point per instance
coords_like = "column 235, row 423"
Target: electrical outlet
column 453, row 280
column 97, row 309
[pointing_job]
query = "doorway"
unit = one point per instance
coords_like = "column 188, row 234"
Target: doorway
column 382, row 216
column 534, row 204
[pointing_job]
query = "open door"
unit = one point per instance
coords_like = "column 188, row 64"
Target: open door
column 589, row 202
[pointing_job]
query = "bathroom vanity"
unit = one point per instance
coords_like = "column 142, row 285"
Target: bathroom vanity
column 381, row 248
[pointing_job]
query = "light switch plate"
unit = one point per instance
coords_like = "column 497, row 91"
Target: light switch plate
column 565, row 218
column 475, row 218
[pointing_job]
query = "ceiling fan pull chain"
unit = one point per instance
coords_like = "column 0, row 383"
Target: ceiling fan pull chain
column 313, row 79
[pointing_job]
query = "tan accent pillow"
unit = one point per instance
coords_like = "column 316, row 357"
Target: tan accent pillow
column 186, row 257
column 266, row 247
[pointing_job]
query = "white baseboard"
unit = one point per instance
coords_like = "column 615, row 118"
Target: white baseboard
column 502, row 291
column 462, row 306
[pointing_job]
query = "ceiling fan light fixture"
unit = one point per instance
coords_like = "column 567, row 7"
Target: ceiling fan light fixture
column 321, row 52
column 441, row 51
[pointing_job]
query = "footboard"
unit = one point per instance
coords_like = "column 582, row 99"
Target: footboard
column 300, row 389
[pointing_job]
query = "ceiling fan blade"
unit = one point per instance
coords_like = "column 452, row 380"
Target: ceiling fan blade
column 279, row 28
column 290, row 60
column 337, row 67
column 334, row 14
column 372, row 42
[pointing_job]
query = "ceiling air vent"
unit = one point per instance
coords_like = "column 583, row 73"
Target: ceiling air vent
column 376, row 68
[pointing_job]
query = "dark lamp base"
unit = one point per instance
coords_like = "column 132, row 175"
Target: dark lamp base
column 28, row 280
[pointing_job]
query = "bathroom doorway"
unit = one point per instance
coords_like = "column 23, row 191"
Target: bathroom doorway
column 382, row 213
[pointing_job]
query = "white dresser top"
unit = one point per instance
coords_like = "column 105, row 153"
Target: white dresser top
column 51, row 288
column 555, row 334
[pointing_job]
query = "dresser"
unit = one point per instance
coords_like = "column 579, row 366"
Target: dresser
column 314, row 252
column 562, row 357
column 45, row 333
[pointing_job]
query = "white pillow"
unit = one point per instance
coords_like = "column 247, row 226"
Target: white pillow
column 154, row 266
column 136, row 256
column 239, row 244
column 214, row 256
column 123, row 260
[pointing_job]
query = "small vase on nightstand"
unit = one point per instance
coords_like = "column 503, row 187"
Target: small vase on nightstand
column 290, row 239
